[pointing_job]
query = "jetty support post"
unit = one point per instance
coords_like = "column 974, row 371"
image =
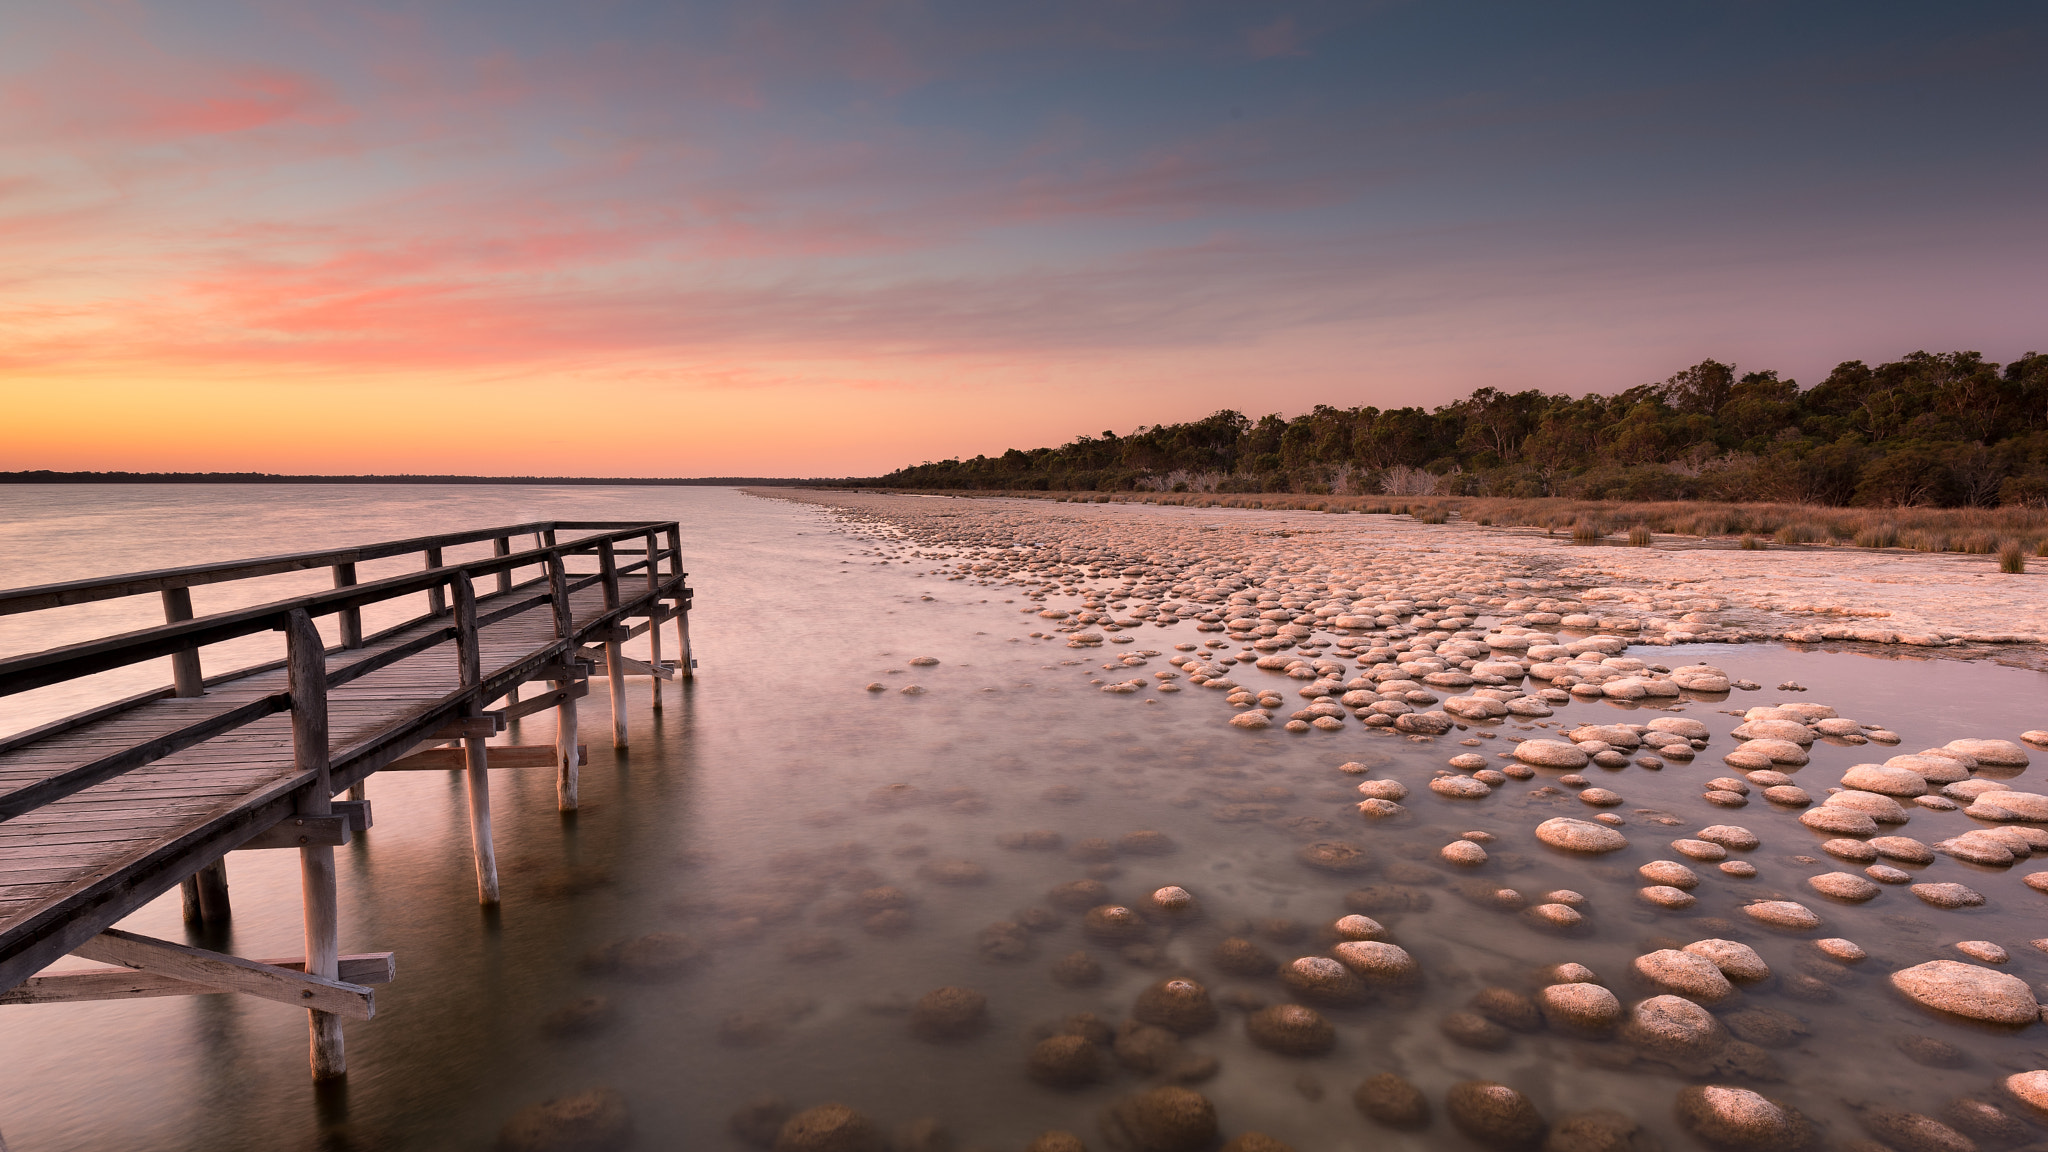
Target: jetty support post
column 615, row 665
column 685, row 664
column 502, row 546
column 306, row 672
column 566, row 760
column 351, row 618
column 469, row 660
column 437, row 596
column 186, row 682
column 654, row 615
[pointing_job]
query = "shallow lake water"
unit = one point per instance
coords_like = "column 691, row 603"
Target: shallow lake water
column 751, row 812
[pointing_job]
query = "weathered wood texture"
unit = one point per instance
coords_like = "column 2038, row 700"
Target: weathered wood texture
column 170, row 783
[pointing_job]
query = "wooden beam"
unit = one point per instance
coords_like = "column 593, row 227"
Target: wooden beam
column 632, row 667
column 488, row 724
column 131, row 984
column 576, row 669
column 574, row 690
column 302, row 832
column 229, row 973
column 502, row 756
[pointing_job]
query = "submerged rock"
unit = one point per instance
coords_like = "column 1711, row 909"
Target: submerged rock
column 1390, row 1100
column 1178, row 1005
column 593, row 1121
column 1170, row 1119
column 1494, row 1115
column 1066, row 1061
column 1291, row 1030
column 1739, row 1120
column 1585, row 1009
column 1599, row 1130
column 949, row 1013
column 829, row 1128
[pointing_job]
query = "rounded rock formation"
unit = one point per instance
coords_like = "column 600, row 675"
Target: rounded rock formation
column 1585, row 1009
column 1567, row 834
column 1969, row 991
column 1378, row 962
column 1170, row 1119
column 1674, row 1026
column 1390, row 1100
column 593, row 1121
column 1323, row 980
column 1177, row 1005
column 1065, row 1061
column 1685, row 973
column 949, row 1013
column 1494, row 1115
column 1739, row 1120
column 1738, row 962
column 829, row 1128
column 1291, row 1030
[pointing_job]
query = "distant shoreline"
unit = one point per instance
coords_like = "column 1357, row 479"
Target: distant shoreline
column 49, row 477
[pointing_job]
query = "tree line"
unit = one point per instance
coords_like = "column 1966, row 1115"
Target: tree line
column 1935, row 429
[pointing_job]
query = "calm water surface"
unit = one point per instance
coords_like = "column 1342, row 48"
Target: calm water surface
column 746, row 814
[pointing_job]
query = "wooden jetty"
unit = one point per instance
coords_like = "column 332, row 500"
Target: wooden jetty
column 103, row 811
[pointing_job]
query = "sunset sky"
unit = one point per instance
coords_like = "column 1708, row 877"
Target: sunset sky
column 790, row 239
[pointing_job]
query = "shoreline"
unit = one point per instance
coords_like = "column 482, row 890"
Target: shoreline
column 1902, row 604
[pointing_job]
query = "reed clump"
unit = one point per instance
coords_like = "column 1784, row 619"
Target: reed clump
column 1586, row 532
column 1639, row 537
column 2012, row 558
column 1751, row 543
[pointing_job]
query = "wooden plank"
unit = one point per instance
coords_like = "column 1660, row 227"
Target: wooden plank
column 131, row 984
column 229, row 973
column 106, row 767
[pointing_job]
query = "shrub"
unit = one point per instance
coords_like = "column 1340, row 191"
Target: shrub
column 1797, row 534
column 1751, row 543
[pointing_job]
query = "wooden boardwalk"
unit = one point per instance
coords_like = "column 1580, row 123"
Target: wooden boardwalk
column 106, row 810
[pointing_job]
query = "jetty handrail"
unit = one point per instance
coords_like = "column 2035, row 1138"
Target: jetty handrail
column 52, row 666
column 55, row 665
column 38, row 597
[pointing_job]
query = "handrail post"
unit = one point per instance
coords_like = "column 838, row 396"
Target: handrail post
column 502, row 546
column 351, row 618
column 469, row 665
column 185, row 674
column 686, row 664
column 566, row 761
column 306, row 674
column 608, row 569
column 437, row 597
column 654, row 615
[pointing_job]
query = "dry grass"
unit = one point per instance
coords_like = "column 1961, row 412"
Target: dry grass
column 1979, row 531
column 2012, row 558
column 1639, row 537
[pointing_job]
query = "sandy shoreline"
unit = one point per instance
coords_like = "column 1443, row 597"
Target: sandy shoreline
column 1951, row 605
